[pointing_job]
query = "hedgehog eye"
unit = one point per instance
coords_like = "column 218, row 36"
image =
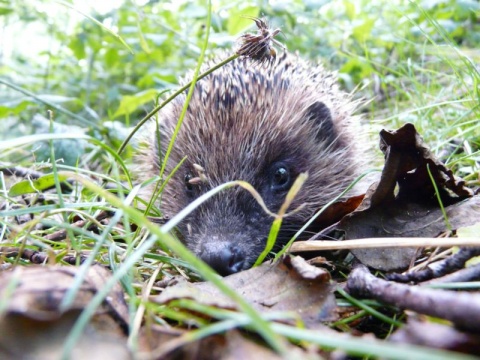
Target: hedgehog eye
column 188, row 184
column 281, row 178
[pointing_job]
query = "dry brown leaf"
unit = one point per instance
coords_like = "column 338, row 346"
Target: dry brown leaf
column 290, row 285
column 335, row 212
column 438, row 336
column 412, row 212
column 33, row 326
column 166, row 344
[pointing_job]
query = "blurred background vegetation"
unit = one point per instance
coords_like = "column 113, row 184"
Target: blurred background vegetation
column 414, row 61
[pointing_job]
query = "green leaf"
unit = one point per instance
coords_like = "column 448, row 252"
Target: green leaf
column 349, row 9
column 77, row 45
column 5, row 10
column 362, row 32
column 130, row 103
column 111, row 57
column 238, row 21
column 13, row 107
column 32, row 186
column 70, row 150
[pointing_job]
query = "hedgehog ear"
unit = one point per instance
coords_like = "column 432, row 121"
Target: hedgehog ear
column 319, row 114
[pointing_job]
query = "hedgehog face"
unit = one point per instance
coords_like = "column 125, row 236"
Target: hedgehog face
column 230, row 230
column 264, row 125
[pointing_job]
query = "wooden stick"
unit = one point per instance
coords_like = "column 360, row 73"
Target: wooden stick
column 369, row 243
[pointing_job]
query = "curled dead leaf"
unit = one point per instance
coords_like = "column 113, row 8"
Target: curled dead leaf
column 414, row 211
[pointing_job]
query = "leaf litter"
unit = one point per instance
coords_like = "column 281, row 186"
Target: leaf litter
column 291, row 285
column 33, row 325
column 407, row 202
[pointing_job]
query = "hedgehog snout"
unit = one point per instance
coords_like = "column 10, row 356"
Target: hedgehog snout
column 224, row 257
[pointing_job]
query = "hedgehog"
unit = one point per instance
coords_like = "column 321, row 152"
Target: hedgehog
column 264, row 124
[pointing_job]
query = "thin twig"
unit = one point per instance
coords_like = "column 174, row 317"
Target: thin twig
column 372, row 243
column 461, row 308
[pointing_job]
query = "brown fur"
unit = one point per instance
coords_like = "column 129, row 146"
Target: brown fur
column 242, row 122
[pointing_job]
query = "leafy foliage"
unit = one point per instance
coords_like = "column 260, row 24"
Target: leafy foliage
column 400, row 55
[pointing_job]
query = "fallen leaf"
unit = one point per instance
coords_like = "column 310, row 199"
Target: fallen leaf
column 291, row 285
column 469, row 231
column 167, row 344
column 437, row 336
column 405, row 220
column 335, row 212
column 33, row 326
column 414, row 211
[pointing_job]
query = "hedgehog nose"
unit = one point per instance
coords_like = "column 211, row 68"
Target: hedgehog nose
column 225, row 259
